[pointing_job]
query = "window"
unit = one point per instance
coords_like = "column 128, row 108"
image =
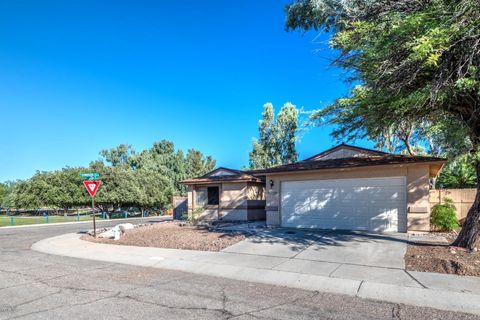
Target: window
column 202, row 197
column 213, row 195
column 208, row 196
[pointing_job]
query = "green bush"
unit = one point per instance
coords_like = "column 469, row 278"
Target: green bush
column 444, row 216
column 193, row 217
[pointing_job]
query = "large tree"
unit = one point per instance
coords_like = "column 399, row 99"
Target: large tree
column 276, row 144
column 196, row 164
column 412, row 61
column 146, row 180
column 7, row 195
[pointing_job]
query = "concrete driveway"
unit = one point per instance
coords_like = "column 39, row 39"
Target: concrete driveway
column 351, row 255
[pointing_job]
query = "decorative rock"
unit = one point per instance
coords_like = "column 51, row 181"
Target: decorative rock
column 116, row 231
column 107, row 234
column 125, row 226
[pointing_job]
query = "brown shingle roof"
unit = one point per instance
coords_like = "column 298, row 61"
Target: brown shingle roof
column 377, row 158
column 389, row 159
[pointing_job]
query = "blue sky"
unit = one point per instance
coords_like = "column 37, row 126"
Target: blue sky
column 80, row 76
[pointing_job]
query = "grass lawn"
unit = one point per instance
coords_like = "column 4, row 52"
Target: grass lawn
column 24, row 220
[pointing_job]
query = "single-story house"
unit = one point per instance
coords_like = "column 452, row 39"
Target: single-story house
column 345, row 187
column 227, row 194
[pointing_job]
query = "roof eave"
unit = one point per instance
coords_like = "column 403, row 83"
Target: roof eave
column 203, row 181
column 440, row 162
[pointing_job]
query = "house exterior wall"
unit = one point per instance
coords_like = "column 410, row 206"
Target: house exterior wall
column 239, row 201
column 232, row 199
column 417, row 177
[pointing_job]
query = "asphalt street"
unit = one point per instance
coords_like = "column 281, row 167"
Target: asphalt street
column 39, row 286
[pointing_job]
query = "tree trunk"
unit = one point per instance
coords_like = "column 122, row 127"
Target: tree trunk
column 406, row 141
column 471, row 228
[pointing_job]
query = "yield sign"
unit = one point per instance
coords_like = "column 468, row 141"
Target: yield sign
column 92, row 187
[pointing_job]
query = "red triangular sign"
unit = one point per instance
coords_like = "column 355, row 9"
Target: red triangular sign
column 92, row 187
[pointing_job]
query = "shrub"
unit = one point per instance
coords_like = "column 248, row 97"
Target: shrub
column 444, row 216
column 193, row 217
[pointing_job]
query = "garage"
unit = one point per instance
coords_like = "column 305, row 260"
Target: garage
column 373, row 204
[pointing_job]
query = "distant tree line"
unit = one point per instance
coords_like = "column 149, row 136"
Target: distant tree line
column 146, row 180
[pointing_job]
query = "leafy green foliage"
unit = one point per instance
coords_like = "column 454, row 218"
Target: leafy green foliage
column 147, row 180
column 7, row 194
column 444, row 216
column 415, row 63
column 459, row 173
column 276, row 144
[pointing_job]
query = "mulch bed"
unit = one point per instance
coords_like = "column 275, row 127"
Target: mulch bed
column 174, row 235
column 441, row 258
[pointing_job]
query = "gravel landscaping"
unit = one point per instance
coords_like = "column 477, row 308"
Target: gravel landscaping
column 442, row 258
column 174, row 235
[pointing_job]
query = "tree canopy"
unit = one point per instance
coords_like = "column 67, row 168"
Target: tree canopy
column 277, row 137
column 145, row 180
column 413, row 65
column 459, row 173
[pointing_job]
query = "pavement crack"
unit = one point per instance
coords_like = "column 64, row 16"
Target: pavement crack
column 415, row 279
column 359, row 287
column 338, row 267
column 36, row 299
column 63, row 306
column 166, row 306
column 251, row 312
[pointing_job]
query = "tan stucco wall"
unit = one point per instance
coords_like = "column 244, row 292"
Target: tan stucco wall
column 233, row 194
column 255, row 191
column 238, row 201
column 418, row 200
column 417, row 177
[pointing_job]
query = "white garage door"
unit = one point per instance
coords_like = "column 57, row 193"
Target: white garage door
column 375, row 204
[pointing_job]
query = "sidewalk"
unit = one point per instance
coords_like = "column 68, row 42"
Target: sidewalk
column 437, row 291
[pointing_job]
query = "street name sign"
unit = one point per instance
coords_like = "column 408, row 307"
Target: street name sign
column 90, row 176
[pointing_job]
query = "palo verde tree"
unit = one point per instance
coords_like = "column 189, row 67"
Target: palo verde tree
column 411, row 61
column 276, row 144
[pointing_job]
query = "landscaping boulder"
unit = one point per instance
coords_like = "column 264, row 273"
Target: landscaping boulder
column 107, row 234
column 117, row 231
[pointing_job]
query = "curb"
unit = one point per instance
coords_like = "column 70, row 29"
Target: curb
column 75, row 222
column 70, row 245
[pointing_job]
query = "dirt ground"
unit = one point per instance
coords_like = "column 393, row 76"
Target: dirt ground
column 173, row 235
column 441, row 258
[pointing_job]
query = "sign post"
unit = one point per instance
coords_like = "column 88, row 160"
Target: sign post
column 92, row 186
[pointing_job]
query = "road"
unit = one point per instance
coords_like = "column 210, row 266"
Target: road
column 40, row 286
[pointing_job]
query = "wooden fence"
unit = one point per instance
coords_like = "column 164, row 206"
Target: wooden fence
column 462, row 198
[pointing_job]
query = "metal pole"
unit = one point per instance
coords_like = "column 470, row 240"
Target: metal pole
column 94, row 224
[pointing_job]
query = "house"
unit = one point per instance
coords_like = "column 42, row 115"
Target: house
column 345, row 187
column 227, row 194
